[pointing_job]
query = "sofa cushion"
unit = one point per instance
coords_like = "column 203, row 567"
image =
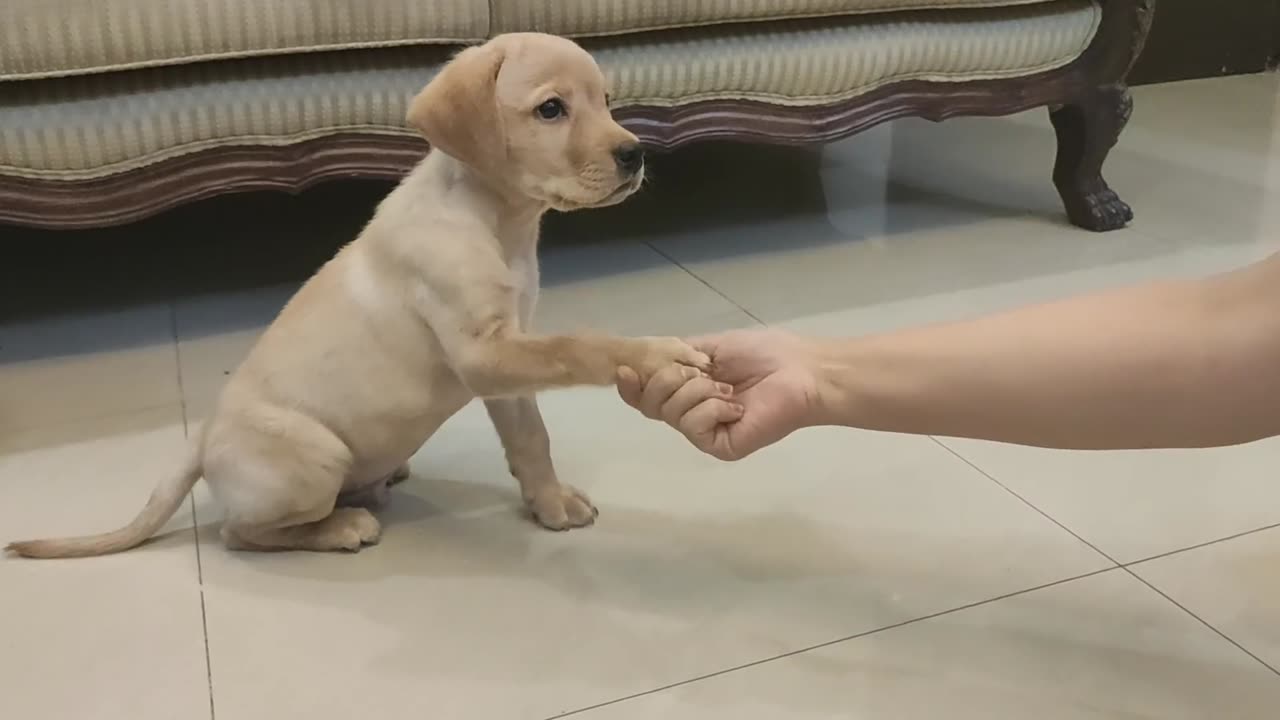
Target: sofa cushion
column 86, row 127
column 807, row 62
column 44, row 38
column 612, row 17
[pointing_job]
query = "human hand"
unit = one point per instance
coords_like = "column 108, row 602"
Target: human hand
column 763, row 387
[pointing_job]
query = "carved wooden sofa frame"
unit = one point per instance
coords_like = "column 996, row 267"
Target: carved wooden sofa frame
column 1088, row 99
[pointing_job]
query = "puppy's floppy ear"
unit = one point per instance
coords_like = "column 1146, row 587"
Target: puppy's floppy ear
column 457, row 112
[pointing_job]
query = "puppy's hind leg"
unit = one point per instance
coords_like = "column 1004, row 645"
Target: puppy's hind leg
column 280, row 491
column 528, row 448
column 376, row 495
column 399, row 475
column 344, row 528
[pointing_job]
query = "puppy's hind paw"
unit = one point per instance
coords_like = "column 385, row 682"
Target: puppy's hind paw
column 347, row 529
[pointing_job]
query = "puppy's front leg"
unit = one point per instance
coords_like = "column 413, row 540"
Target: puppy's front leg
column 474, row 311
column 515, row 363
column 528, row 449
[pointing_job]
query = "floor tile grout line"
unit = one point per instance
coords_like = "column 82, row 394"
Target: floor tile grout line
column 195, row 520
column 204, row 615
column 1127, row 567
column 704, row 281
column 831, row 643
column 1124, row 564
column 1025, row 501
column 1197, row 546
column 1199, row 619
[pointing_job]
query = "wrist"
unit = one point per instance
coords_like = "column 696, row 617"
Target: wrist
column 833, row 377
column 858, row 384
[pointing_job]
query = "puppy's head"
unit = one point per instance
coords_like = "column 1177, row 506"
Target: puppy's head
column 531, row 111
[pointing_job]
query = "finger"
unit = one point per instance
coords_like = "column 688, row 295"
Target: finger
column 662, row 386
column 692, row 393
column 629, row 386
column 706, row 423
column 707, row 415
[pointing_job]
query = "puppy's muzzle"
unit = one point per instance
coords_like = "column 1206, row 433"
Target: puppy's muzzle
column 630, row 159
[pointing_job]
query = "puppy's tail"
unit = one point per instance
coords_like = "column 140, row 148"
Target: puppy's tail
column 163, row 503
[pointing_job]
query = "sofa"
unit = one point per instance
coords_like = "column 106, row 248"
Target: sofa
column 113, row 110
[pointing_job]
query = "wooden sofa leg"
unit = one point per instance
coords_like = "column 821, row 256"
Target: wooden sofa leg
column 1087, row 129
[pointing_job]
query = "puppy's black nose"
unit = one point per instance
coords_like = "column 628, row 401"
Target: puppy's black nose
column 630, row 158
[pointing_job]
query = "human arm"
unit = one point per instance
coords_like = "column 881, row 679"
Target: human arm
column 1184, row 363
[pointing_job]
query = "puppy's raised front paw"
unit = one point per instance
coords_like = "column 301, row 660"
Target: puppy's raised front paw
column 657, row 353
column 561, row 507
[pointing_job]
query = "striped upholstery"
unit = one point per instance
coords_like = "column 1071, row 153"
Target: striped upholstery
column 81, row 127
column 44, row 38
column 611, row 17
column 824, row 60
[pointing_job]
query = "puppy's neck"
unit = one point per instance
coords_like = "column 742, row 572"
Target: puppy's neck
column 512, row 216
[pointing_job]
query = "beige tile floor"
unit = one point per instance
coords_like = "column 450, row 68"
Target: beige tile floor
column 839, row 575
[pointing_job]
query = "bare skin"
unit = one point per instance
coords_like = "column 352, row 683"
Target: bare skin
column 1176, row 364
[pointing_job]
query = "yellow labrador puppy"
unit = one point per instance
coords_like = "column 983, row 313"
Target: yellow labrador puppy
column 426, row 309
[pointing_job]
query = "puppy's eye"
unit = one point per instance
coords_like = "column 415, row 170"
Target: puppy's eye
column 551, row 109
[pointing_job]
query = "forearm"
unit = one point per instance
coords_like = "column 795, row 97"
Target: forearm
column 1179, row 364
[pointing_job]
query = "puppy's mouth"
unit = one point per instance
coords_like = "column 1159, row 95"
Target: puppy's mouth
column 624, row 190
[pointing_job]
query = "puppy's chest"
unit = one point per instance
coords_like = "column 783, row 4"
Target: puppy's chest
column 525, row 274
column 413, row 376
column 399, row 407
